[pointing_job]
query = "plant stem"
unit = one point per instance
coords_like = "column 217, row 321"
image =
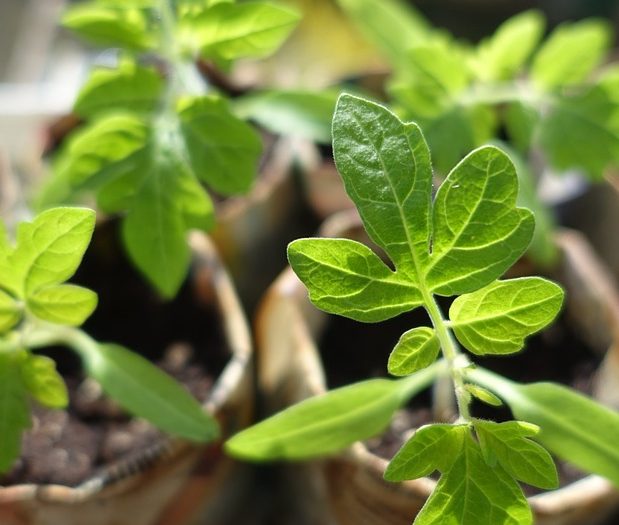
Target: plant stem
column 455, row 359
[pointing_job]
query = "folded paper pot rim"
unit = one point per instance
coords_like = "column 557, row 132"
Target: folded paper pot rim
column 349, row 488
column 173, row 482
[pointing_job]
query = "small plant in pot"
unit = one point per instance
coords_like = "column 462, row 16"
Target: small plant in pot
column 458, row 243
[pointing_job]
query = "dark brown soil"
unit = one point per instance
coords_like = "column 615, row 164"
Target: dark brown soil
column 182, row 336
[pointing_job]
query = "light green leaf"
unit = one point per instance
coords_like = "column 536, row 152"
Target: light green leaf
column 327, row 423
column 130, row 87
column 521, row 457
column 497, row 318
column 483, row 395
column 416, row 349
column 479, row 191
column 391, row 25
column 347, row 278
column 10, row 312
column 582, row 131
column 50, row 248
column 65, row 304
column 223, row 150
column 502, row 56
column 14, row 408
column 145, row 391
column 386, row 169
column 230, row 31
column 573, row 426
column 571, row 53
column 299, row 113
column 432, row 447
column 473, row 493
column 43, row 382
column 109, row 26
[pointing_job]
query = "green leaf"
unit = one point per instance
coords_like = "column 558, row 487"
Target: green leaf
column 130, row 87
column 329, row 422
column 223, row 150
column 479, row 191
column 145, row 391
column 43, row 382
column 483, row 395
column 473, row 493
column 391, row 25
column 502, row 56
column 50, row 248
column 416, row 349
column 14, row 408
column 10, row 312
column 497, row 318
column 571, row 53
column 107, row 25
column 521, row 122
column 524, row 459
column 230, row 31
column 582, row 131
column 64, row 304
column 347, row 278
column 432, row 447
column 573, row 426
column 299, row 113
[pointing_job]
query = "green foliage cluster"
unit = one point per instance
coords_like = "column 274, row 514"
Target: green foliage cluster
column 155, row 131
column 38, row 309
column 458, row 242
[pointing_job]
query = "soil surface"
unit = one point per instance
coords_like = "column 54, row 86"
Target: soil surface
column 182, row 336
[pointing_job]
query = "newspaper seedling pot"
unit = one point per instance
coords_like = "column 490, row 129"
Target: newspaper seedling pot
column 349, row 488
column 171, row 481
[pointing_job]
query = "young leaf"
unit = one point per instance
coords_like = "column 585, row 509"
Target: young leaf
column 347, row 278
column 473, row 493
column 10, row 312
column 43, row 382
column 129, row 87
column 223, row 150
column 483, row 395
column 521, row 457
column 50, row 248
column 416, row 349
column 497, row 318
column 573, row 426
column 64, row 304
column 327, row 423
column 230, row 31
column 503, row 55
column 571, row 53
column 14, row 408
column 299, row 113
column 108, row 25
column 145, row 391
column 432, row 447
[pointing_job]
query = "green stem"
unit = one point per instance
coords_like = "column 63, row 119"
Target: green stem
column 456, row 360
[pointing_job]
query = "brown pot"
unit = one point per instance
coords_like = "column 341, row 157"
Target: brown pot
column 349, row 488
column 173, row 482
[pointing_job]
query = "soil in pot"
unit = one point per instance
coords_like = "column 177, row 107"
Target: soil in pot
column 182, row 336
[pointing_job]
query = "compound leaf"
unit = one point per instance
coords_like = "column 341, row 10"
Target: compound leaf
column 497, row 318
column 571, row 53
column 43, row 381
column 432, row 447
column 347, row 278
column 521, row 457
column 65, row 304
column 416, row 349
column 129, row 87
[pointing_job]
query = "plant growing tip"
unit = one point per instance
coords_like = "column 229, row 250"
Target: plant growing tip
column 458, row 243
column 38, row 309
